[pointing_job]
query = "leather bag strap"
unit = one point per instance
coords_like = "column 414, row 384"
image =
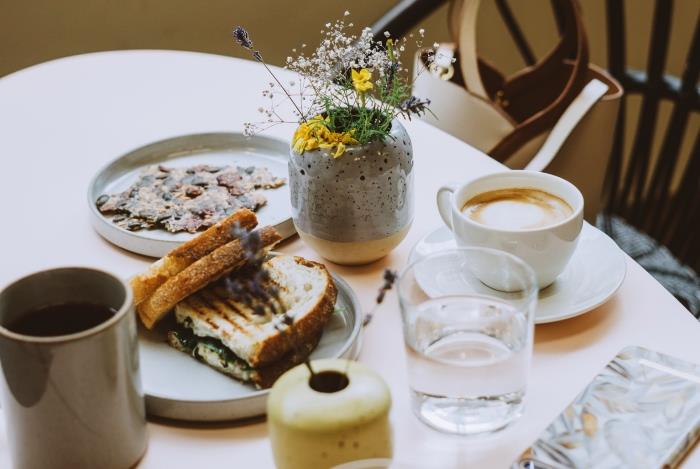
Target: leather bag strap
column 468, row 58
column 568, row 121
column 462, row 25
column 537, row 96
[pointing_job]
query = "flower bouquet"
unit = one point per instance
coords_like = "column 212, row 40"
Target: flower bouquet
column 351, row 159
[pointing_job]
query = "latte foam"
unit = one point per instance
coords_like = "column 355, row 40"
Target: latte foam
column 517, row 209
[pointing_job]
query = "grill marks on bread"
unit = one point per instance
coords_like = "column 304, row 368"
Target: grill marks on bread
column 223, row 331
column 306, row 289
column 207, row 307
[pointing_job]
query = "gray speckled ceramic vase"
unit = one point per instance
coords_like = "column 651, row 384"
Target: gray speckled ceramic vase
column 356, row 208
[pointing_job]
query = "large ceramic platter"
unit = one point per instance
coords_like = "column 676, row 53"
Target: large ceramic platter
column 213, row 149
column 179, row 387
column 593, row 275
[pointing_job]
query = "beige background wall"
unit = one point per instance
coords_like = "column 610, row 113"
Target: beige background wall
column 33, row 31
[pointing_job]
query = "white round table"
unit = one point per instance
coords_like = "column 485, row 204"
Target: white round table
column 61, row 121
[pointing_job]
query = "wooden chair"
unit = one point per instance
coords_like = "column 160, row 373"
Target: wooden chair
column 641, row 193
column 638, row 186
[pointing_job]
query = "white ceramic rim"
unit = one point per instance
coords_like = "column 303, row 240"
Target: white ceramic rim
column 602, row 299
column 123, row 311
column 519, row 173
column 134, row 241
column 531, row 295
column 415, row 257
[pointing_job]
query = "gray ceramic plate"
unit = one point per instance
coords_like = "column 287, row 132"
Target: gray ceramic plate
column 214, row 149
column 179, row 387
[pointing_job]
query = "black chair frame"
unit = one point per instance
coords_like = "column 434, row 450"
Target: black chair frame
column 638, row 187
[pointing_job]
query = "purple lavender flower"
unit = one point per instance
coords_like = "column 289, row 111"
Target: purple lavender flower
column 414, row 106
column 242, row 38
column 390, row 278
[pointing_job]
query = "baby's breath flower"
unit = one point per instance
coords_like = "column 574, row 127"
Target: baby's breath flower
column 357, row 82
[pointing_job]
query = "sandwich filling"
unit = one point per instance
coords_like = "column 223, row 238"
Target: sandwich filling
column 255, row 328
column 210, row 351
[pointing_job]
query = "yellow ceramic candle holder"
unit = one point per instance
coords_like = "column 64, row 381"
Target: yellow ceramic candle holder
column 341, row 415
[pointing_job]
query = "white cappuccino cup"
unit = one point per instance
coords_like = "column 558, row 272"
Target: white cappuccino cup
column 535, row 216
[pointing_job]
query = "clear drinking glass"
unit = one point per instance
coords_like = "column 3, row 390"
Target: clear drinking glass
column 468, row 346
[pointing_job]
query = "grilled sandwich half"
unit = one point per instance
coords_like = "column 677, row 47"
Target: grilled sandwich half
column 225, row 332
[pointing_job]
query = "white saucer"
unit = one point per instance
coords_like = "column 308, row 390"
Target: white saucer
column 593, row 275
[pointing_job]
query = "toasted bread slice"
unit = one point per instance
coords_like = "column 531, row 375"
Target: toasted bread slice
column 308, row 295
column 198, row 275
column 212, row 353
column 144, row 285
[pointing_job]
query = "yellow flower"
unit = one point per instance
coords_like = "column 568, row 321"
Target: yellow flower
column 361, row 80
column 315, row 134
column 338, row 141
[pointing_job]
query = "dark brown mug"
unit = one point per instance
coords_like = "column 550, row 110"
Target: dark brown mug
column 72, row 400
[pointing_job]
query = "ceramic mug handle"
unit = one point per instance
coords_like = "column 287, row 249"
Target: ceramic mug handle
column 444, row 197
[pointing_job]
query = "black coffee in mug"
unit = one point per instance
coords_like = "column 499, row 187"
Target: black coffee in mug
column 70, row 391
column 61, row 319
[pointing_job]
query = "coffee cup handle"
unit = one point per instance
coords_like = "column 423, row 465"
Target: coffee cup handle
column 444, row 199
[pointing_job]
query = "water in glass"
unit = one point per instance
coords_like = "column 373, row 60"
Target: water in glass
column 468, row 350
column 466, row 380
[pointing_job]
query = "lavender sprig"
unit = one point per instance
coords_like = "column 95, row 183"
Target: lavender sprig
column 243, row 39
column 253, row 286
column 390, row 277
column 413, row 106
column 393, row 66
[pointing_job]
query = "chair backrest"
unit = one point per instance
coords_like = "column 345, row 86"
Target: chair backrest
column 639, row 182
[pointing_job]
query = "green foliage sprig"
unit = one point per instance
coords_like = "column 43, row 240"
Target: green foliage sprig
column 350, row 89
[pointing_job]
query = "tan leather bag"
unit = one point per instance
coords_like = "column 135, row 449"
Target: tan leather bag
column 557, row 116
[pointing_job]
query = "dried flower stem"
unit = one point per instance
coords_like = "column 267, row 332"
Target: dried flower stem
column 301, row 114
column 243, row 39
column 390, row 278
